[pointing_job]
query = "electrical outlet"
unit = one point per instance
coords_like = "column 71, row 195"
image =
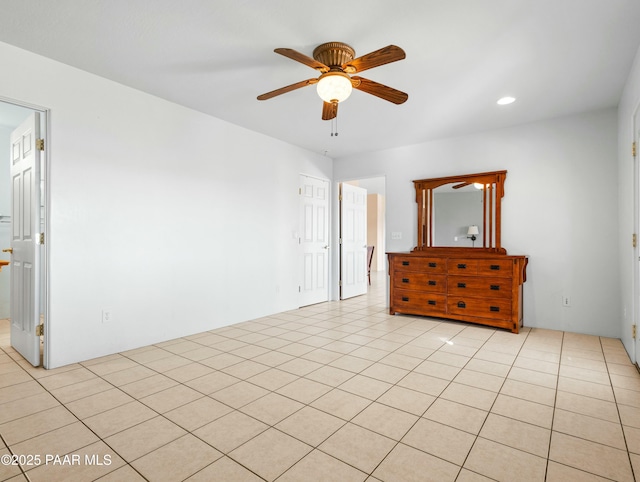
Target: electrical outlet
column 566, row 301
column 396, row 235
column 107, row 316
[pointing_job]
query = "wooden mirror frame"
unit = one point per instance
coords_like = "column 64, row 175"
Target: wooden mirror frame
column 493, row 192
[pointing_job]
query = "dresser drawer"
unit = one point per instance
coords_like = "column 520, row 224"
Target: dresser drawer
column 410, row 280
column 483, row 308
column 495, row 267
column 419, row 263
column 478, row 286
column 462, row 266
column 419, row 302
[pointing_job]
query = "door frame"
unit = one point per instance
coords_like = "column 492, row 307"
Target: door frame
column 45, row 116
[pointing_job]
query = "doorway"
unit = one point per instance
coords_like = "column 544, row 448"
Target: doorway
column 12, row 115
column 375, row 188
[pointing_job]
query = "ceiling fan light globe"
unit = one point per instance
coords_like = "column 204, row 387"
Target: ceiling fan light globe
column 334, row 87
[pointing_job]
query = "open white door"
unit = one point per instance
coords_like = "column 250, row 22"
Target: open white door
column 636, row 308
column 25, row 224
column 314, row 240
column 353, row 236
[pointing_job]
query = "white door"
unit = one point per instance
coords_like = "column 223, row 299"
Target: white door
column 353, row 235
column 314, row 240
column 25, row 224
column 636, row 251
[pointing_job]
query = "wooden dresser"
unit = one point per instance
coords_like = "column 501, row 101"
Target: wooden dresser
column 458, row 285
column 480, row 284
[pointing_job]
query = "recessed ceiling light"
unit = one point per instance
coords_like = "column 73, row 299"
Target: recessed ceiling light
column 506, row 100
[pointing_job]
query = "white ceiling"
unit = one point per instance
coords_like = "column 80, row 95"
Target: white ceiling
column 557, row 57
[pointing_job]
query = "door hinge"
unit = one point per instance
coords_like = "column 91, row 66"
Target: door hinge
column 340, row 282
column 634, row 331
column 40, row 144
column 633, row 149
column 41, row 238
column 299, row 289
column 40, row 329
column 635, row 240
column 299, row 190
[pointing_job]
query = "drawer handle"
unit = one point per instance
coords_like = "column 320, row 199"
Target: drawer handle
column 494, row 308
column 462, row 285
column 432, row 283
column 462, row 266
column 405, row 263
column 405, row 298
column 495, row 267
column 432, row 265
column 405, row 280
column 462, row 304
column 495, row 287
column 432, row 302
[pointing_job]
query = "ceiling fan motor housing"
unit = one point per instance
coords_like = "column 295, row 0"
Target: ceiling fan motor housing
column 334, row 54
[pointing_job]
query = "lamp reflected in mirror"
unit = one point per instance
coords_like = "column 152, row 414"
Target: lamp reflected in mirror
column 472, row 234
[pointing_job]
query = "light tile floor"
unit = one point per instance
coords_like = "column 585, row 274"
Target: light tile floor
column 339, row 391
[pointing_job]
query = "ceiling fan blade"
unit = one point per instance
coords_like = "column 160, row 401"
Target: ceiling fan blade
column 303, row 59
column 461, row 185
column 379, row 90
column 288, row 88
column 388, row 54
column 329, row 110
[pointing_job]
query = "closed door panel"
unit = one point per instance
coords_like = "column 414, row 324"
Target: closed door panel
column 314, row 240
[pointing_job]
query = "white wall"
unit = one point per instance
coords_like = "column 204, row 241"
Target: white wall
column 175, row 221
column 629, row 103
column 561, row 193
column 375, row 230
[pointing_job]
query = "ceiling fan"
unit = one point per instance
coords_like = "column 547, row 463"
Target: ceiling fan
column 335, row 62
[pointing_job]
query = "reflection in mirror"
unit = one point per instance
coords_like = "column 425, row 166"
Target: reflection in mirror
column 450, row 208
column 454, row 211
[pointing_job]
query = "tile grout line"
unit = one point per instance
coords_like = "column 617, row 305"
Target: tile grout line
column 329, row 315
column 624, row 435
column 477, row 436
column 52, row 430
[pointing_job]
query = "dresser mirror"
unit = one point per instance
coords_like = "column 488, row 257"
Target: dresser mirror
column 454, row 210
